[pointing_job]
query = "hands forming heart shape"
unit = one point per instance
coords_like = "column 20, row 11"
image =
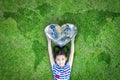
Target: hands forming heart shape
column 61, row 35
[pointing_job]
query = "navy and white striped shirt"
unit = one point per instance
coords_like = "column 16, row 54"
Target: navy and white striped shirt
column 61, row 73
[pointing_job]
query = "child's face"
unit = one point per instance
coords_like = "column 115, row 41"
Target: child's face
column 60, row 60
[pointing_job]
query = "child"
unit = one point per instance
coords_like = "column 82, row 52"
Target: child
column 60, row 66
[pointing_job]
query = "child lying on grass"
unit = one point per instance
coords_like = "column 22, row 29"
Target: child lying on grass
column 60, row 66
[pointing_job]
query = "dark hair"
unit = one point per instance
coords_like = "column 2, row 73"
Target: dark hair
column 60, row 51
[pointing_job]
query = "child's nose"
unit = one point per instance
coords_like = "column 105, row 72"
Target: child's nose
column 60, row 62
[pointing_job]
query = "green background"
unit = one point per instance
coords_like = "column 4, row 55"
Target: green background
column 23, row 45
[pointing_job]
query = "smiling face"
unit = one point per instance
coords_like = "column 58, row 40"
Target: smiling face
column 61, row 60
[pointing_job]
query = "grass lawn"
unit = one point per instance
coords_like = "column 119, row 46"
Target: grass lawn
column 23, row 45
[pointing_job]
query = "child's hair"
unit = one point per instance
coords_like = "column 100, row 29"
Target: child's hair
column 60, row 51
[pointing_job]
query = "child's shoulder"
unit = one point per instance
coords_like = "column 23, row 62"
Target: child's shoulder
column 56, row 65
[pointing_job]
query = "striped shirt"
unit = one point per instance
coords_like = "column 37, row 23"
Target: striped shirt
column 61, row 73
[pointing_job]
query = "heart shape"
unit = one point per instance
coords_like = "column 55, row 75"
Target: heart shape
column 61, row 35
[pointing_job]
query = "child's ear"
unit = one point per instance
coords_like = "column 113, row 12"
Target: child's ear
column 66, row 58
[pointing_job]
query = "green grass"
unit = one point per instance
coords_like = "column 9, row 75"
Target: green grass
column 23, row 45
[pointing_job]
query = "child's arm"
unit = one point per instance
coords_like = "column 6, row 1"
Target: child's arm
column 70, row 61
column 50, row 51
